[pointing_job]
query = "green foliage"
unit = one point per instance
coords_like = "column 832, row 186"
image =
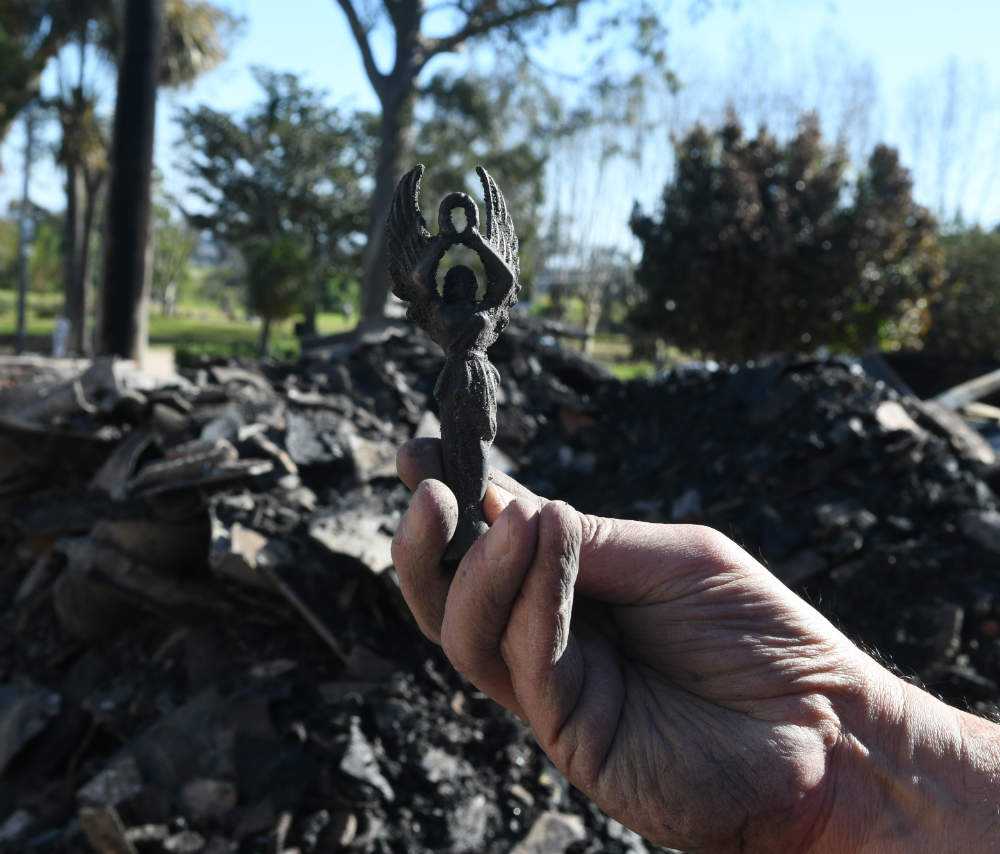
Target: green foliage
column 965, row 316
column 290, row 172
column 504, row 121
column 337, row 292
column 34, row 31
column 757, row 251
column 31, row 33
column 196, row 355
column 195, row 40
column 45, row 263
column 196, row 36
column 277, row 275
column 173, row 244
column 8, row 254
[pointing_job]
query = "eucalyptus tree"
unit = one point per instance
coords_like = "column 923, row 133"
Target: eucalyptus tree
column 508, row 119
column 398, row 90
column 513, row 27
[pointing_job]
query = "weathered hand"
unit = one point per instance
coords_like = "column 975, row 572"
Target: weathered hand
column 671, row 677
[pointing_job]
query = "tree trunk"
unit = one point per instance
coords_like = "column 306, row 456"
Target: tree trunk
column 170, row 298
column 592, row 316
column 309, row 312
column 557, row 301
column 25, row 232
column 124, row 276
column 395, row 154
column 265, row 338
column 94, row 182
column 74, row 250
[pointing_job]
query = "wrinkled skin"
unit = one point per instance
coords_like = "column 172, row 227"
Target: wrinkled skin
column 620, row 639
column 684, row 689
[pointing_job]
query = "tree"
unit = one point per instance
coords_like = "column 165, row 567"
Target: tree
column 173, row 244
column 145, row 37
column 8, row 253
column 193, row 41
column 603, row 271
column 45, row 261
column 83, row 153
column 122, row 319
column 32, row 32
column 755, row 250
column 290, row 166
column 278, row 272
column 965, row 318
column 398, row 91
column 506, row 119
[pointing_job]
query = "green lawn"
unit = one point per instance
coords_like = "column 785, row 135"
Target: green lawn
column 197, row 326
column 202, row 327
column 39, row 315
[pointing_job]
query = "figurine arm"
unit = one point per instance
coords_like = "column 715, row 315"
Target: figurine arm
column 422, row 275
column 499, row 276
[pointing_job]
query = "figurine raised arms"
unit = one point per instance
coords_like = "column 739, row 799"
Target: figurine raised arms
column 463, row 326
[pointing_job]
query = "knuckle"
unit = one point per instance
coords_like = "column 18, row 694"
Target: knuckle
column 712, row 541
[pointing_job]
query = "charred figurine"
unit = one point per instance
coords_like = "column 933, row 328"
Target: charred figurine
column 463, row 326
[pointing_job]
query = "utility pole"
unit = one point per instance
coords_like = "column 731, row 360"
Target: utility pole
column 124, row 276
column 26, row 228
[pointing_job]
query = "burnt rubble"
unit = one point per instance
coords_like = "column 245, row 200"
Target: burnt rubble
column 203, row 646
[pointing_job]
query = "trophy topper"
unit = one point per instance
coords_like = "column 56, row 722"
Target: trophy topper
column 463, row 326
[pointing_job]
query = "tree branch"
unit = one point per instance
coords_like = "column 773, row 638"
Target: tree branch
column 376, row 77
column 480, row 22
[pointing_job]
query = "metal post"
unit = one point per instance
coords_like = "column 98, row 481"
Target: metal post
column 25, row 230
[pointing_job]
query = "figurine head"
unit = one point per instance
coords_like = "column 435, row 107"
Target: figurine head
column 460, row 286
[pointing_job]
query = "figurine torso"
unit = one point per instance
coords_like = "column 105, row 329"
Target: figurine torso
column 457, row 329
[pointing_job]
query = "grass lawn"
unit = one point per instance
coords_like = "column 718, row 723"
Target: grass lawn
column 616, row 352
column 197, row 324
column 205, row 323
column 202, row 326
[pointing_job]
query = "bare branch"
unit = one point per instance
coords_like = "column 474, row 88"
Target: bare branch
column 482, row 19
column 376, row 77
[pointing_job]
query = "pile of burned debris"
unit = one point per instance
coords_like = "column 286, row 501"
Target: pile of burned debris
column 204, row 648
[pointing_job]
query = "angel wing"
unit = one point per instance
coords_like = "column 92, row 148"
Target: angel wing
column 500, row 231
column 406, row 235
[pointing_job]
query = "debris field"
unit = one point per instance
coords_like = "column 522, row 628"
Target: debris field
column 203, row 646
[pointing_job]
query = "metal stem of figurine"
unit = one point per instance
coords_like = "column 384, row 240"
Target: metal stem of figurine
column 463, row 326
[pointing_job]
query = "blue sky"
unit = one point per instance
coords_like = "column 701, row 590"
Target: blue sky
column 765, row 52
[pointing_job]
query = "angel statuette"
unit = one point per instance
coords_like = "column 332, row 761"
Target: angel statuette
column 461, row 325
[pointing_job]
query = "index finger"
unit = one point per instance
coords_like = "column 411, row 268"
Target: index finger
column 420, row 459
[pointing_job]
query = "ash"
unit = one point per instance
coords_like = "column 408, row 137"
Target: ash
column 203, row 645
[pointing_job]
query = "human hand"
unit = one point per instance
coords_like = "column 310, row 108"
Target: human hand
column 683, row 688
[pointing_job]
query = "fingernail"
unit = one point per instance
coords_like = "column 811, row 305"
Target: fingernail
column 495, row 495
column 498, row 539
column 413, row 524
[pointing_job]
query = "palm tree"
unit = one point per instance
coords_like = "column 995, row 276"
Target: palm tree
column 83, row 153
column 32, row 32
column 162, row 43
column 193, row 41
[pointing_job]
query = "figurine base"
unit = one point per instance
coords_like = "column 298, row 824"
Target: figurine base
column 466, row 534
